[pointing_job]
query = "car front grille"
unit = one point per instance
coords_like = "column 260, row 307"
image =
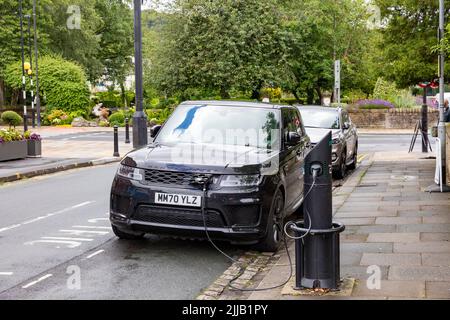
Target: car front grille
column 178, row 216
column 172, row 178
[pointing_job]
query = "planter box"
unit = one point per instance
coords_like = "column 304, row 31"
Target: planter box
column 34, row 148
column 13, row 150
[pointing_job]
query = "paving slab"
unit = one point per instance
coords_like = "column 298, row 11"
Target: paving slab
column 438, row 290
column 392, row 289
column 436, row 259
column 423, row 246
column 435, row 236
column 389, row 259
column 424, row 227
column 398, row 220
column 394, row 237
column 415, row 273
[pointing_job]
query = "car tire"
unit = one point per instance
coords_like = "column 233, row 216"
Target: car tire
column 274, row 235
column 340, row 173
column 125, row 235
column 352, row 166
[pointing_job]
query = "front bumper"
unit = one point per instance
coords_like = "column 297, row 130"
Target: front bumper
column 233, row 214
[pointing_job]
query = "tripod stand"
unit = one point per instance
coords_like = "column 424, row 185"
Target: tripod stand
column 418, row 128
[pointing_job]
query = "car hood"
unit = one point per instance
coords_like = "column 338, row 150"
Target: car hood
column 316, row 134
column 204, row 158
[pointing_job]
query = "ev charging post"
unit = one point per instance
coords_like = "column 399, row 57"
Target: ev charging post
column 317, row 236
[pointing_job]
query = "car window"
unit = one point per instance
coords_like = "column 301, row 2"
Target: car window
column 345, row 118
column 318, row 118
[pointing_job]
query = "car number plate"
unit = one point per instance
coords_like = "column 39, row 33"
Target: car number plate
column 178, row 199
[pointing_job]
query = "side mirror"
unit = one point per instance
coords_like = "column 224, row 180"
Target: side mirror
column 154, row 130
column 293, row 139
column 345, row 126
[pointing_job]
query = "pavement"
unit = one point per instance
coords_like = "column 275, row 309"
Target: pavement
column 395, row 232
column 65, row 148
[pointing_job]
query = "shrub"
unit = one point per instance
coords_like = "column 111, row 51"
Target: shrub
column 404, row 100
column 11, row 118
column 61, row 81
column 117, row 119
column 28, row 135
column 374, row 104
column 57, row 117
column 271, row 93
column 385, row 90
column 8, row 135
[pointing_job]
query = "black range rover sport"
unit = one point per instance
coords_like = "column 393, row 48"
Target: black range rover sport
column 232, row 168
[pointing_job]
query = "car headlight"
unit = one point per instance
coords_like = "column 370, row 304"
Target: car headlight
column 130, row 172
column 240, row 180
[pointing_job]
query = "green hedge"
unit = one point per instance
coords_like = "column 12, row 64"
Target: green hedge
column 11, row 118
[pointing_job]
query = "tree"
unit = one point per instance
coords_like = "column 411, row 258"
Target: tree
column 319, row 33
column 116, row 42
column 10, row 50
column 73, row 33
column 219, row 45
column 408, row 40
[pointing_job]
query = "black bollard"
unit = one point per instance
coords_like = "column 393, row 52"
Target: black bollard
column 317, row 245
column 127, row 130
column 116, row 142
column 33, row 118
column 25, row 122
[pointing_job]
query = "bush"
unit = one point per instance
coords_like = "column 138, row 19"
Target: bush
column 11, row 118
column 404, row 100
column 117, row 119
column 8, row 135
column 374, row 104
column 69, row 97
column 63, row 83
column 57, row 117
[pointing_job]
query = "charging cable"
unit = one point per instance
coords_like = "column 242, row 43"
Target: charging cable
column 205, row 182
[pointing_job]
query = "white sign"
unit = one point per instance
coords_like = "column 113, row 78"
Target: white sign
column 438, row 172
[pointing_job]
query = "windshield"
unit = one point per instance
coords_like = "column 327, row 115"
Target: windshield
column 316, row 118
column 227, row 125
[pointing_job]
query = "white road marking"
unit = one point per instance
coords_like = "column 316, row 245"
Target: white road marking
column 46, row 216
column 92, row 227
column 70, row 244
column 94, row 254
column 6, row 273
column 95, row 220
column 81, row 232
column 37, row 281
column 68, row 239
column 10, row 227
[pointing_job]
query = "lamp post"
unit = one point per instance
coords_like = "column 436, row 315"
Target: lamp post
column 25, row 127
column 139, row 118
column 30, row 70
column 38, row 99
column 441, row 126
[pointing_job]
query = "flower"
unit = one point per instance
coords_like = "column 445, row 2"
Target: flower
column 35, row 136
column 375, row 102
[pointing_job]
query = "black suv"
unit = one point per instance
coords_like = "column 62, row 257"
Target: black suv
column 234, row 169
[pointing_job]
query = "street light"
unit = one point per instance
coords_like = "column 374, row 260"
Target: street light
column 139, row 117
column 38, row 99
column 30, row 70
column 25, row 127
column 441, row 126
